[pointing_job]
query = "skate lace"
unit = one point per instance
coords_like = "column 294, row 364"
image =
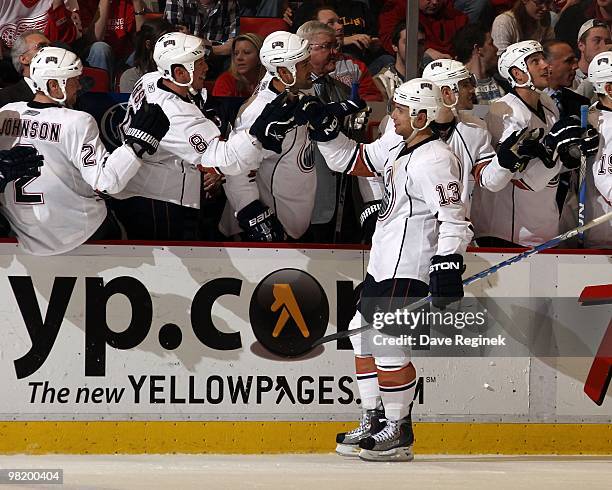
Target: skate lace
column 388, row 433
column 366, row 420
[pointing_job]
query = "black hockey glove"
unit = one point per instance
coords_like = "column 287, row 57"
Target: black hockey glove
column 273, row 124
column 519, row 148
column 324, row 126
column 346, row 107
column 445, row 285
column 368, row 218
column 564, row 141
column 590, row 141
column 148, row 126
column 259, row 223
column 19, row 161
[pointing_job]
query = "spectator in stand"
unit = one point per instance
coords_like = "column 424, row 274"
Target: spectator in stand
column 50, row 16
column 246, row 70
column 24, row 49
column 146, row 38
column 394, row 74
column 527, row 19
column 114, row 30
column 593, row 38
column 574, row 17
column 439, row 19
column 262, row 8
column 361, row 46
column 474, row 47
column 474, row 9
column 215, row 21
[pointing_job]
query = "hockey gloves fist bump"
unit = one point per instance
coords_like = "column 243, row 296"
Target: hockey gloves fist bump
column 148, row 126
column 273, row 124
column 445, row 284
column 259, row 223
column 324, row 126
column 569, row 142
column 18, row 162
column 520, row 147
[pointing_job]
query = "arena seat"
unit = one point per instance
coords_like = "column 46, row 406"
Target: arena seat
column 262, row 25
column 101, row 82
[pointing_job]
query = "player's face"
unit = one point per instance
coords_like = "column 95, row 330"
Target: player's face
column 539, row 69
column 303, row 75
column 73, row 85
column 246, row 57
column 199, row 74
column 323, row 53
column 401, row 119
column 467, row 92
column 563, row 65
column 595, row 42
column 330, row 18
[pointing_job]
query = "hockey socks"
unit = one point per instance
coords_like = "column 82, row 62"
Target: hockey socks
column 397, row 386
column 367, row 382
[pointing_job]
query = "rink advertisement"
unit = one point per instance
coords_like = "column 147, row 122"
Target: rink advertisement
column 208, row 333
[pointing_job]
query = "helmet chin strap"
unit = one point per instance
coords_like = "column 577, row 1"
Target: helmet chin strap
column 62, row 84
column 293, row 72
column 527, row 84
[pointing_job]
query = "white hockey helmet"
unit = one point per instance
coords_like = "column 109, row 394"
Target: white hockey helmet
column 52, row 63
column 419, row 94
column 176, row 48
column 283, row 49
column 516, row 55
column 600, row 71
column 447, row 73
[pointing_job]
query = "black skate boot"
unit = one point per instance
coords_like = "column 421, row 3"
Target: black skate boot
column 392, row 443
column 348, row 442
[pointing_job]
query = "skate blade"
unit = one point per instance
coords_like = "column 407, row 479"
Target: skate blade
column 395, row 454
column 347, row 450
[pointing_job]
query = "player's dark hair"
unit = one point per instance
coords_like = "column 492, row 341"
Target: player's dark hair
column 466, row 38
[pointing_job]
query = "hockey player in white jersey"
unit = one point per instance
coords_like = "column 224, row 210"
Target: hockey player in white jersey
column 60, row 209
column 420, row 237
column 515, row 204
column 280, row 199
column 599, row 179
column 164, row 196
column 467, row 135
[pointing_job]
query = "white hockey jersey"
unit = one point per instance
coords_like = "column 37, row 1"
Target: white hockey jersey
column 286, row 183
column 599, row 185
column 59, row 210
column 171, row 174
column 518, row 207
column 421, row 214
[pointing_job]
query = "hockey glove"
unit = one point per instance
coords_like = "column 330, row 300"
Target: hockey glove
column 259, row 223
column 148, row 126
column 590, row 141
column 19, row 161
column 324, row 126
column 445, row 285
column 346, row 107
column 564, row 141
column 273, row 124
column 368, row 218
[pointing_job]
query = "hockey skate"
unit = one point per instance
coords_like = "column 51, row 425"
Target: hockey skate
column 392, row 443
column 347, row 443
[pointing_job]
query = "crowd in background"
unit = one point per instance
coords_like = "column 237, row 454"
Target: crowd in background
column 364, row 45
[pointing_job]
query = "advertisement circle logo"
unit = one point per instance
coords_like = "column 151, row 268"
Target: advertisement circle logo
column 288, row 312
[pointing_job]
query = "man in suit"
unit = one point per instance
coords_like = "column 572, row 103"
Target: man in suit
column 24, row 49
column 563, row 65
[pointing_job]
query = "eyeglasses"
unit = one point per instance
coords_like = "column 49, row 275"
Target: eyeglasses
column 37, row 46
column 328, row 46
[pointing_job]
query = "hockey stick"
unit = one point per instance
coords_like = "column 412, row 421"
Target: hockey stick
column 584, row 110
column 480, row 275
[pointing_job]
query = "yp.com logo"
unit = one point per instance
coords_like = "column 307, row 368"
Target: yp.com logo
column 288, row 312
